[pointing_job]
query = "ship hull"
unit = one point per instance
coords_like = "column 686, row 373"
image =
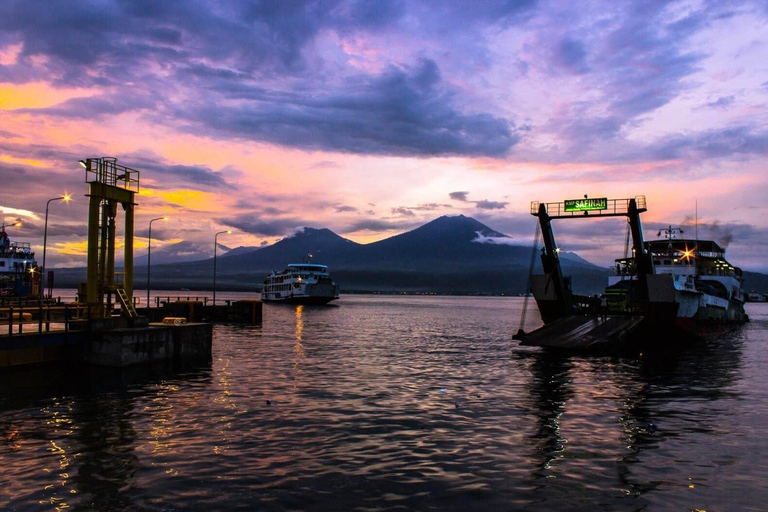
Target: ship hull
column 308, row 301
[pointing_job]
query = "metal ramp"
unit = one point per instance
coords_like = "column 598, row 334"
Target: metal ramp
column 582, row 332
column 127, row 307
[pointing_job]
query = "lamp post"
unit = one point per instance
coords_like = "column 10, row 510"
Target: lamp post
column 65, row 198
column 16, row 223
column 149, row 253
column 215, row 246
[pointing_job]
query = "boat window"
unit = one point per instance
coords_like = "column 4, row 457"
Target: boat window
column 667, row 262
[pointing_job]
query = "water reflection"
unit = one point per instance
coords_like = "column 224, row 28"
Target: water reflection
column 106, row 459
column 551, row 390
column 78, row 449
column 298, row 346
column 404, row 405
column 653, row 399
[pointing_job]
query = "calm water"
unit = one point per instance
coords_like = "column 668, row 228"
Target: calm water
column 395, row 403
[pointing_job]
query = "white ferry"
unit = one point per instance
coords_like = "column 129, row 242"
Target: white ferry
column 706, row 288
column 300, row 283
column 18, row 268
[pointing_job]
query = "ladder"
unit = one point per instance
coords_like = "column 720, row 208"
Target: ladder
column 127, row 307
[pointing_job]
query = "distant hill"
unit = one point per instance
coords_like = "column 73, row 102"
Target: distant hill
column 756, row 281
column 239, row 250
column 185, row 251
column 456, row 255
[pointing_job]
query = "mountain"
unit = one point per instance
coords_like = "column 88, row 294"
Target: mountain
column 446, row 244
column 186, row 251
column 238, row 250
column 447, row 255
column 175, row 253
column 755, row 281
column 322, row 245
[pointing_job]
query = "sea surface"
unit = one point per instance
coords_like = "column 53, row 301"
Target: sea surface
column 395, row 403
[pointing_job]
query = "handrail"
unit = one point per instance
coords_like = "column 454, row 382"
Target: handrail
column 106, row 170
column 613, row 208
column 43, row 316
column 168, row 299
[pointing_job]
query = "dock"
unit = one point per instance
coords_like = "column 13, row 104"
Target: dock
column 71, row 333
column 104, row 326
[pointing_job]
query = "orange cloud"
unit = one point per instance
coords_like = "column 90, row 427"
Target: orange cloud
column 192, row 199
column 35, row 95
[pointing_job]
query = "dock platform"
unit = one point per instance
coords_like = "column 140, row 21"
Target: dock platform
column 34, row 334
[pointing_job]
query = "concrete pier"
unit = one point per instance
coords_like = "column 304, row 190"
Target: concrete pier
column 157, row 342
column 69, row 334
column 36, row 348
column 241, row 311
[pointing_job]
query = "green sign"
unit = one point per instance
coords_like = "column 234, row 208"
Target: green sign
column 586, row 205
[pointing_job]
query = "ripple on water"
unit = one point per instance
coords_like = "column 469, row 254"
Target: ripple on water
column 394, row 403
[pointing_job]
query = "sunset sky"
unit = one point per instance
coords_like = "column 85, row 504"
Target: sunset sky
column 372, row 118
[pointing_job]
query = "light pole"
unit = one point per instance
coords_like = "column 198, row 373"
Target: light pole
column 149, row 253
column 16, row 223
column 66, row 198
column 215, row 246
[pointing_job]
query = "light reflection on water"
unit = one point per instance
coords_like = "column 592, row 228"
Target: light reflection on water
column 394, row 403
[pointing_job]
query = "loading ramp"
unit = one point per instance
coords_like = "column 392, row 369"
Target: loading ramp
column 580, row 332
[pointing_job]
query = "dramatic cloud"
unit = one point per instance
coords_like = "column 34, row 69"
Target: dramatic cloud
column 403, row 111
column 255, row 226
column 260, row 115
column 491, row 205
column 481, row 205
column 405, row 212
column 198, row 177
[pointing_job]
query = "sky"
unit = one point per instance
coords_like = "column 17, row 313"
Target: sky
column 371, row 118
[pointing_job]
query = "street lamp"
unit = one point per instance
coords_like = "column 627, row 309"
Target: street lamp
column 16, row 223
column 215, row 246
column 66, row 198
column 149, row 252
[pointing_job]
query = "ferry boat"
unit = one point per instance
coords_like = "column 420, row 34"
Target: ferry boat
column 300, row 283
column 668, row 290
column 18, row 269
column 698, row 285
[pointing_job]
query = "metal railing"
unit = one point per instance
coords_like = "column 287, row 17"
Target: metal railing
column 60, row 318
column 159, row 301
column 613, row 207
column 106, row 170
